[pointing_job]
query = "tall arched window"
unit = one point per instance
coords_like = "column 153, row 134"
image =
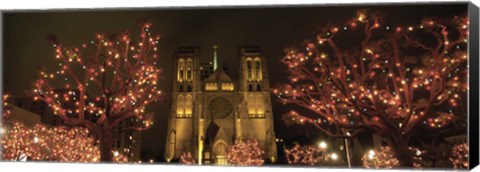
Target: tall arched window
column 249, row 69
column 189, row 74
column 189, row 67
column 181, row 68
column 258, row 69
column 180, row 106
column 188, row 105
column 251, row 105
column 260, row 105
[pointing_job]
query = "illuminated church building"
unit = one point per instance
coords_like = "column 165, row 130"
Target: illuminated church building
column 210, row 110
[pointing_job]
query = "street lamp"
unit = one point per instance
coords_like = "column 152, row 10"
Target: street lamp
column 322, row 145
column 347, row 148
column 334, row 156
column 371, row 154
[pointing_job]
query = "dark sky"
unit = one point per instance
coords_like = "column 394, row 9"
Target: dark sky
column 273, row 28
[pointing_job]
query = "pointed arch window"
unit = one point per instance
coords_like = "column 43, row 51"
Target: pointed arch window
column 184, row 106
column 251, row 105
column 260, row 106
column 258, row 69
column 256, row 105
column 180, row 106
column 249, row 69
column 188, row 105
column 189, row 68
column 189, row 74
column 181, row 68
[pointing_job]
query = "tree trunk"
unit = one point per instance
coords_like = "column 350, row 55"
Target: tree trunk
column 405, row 158
column 399, row 147
column 434, row 163
column 106, row 142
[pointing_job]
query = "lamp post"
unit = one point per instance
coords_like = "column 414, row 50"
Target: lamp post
column 334, row 156
column 347, row 148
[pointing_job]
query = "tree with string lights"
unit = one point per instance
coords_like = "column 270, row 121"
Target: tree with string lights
column 187, row 158
column 307, row 155
column 43, row 143
column 459, row 156
column 383, row 157
column 119, row 158
column 106, row 82
column 6, row 109
column 380, row 158
column 389, row 82
column 245, row 153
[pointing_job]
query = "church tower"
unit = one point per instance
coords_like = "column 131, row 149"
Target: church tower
column 185, row 88
column 257, row 119
column 209, row 115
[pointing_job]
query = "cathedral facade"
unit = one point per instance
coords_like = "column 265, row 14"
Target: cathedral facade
column 210, row 110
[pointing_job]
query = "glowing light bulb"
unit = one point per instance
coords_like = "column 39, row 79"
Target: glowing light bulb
column 322, row 145
column 371, row 154
column 334, row 156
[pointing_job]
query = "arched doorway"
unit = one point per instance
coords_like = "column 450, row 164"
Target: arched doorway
column 220, row 151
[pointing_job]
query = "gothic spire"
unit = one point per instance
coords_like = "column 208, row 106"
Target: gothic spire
column 215, row 60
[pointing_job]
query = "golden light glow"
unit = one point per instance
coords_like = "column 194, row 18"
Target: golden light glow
column 211, row 86
column 184, row 105
column 181, row 70
column 188, row 105
column 227, row 87
column 180, row 105
column 258, row 69
column 256, row 105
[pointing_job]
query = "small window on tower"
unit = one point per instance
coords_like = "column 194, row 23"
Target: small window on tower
column 258, row 70
column 181, row 65
column 249, row 70
column 189, row 74
column 258, row 87
column 180, row 88
column 181, row 74
column 250, row 87
column 189, row 88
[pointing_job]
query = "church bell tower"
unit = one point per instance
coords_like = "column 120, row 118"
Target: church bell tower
column 185, row 89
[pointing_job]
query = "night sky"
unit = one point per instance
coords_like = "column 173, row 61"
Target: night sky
column 273, row 28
